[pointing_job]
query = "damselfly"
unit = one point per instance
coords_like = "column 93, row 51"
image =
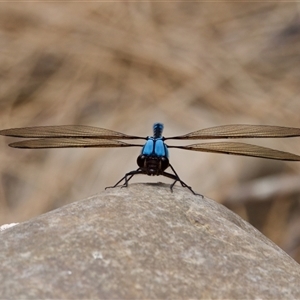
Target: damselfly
column 154, row 157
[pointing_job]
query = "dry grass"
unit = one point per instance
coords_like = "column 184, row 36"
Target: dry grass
column 124, row 66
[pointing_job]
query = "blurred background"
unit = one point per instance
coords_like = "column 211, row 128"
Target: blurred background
column 124, row 66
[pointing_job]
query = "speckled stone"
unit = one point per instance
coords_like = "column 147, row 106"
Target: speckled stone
column 143, row 242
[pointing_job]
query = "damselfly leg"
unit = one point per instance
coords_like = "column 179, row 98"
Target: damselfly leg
column 174, row 176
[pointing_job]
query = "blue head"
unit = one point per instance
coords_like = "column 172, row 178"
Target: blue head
column 157, row 130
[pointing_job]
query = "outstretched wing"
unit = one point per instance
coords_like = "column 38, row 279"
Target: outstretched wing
column 70, row 143
column 241, row 149
column 240, row 131
column 66, row 131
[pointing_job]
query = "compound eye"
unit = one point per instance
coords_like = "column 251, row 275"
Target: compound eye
column 141, row 161
column 164, row 163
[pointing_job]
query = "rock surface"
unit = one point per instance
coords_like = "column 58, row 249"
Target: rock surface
column 143, row 242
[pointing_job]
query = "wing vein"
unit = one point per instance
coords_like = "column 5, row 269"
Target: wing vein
column 241, row 131
column 66, row 131
column 70, row 143
column 241, row 149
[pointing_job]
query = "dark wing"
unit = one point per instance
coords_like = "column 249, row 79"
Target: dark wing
column 240, row 131
column 70, row 143
column 241, row 149
column 66, row 131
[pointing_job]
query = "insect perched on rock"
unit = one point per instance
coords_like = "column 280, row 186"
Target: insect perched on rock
column 154, row 157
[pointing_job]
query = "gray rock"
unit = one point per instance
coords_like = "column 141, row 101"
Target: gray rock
column 143, row 242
